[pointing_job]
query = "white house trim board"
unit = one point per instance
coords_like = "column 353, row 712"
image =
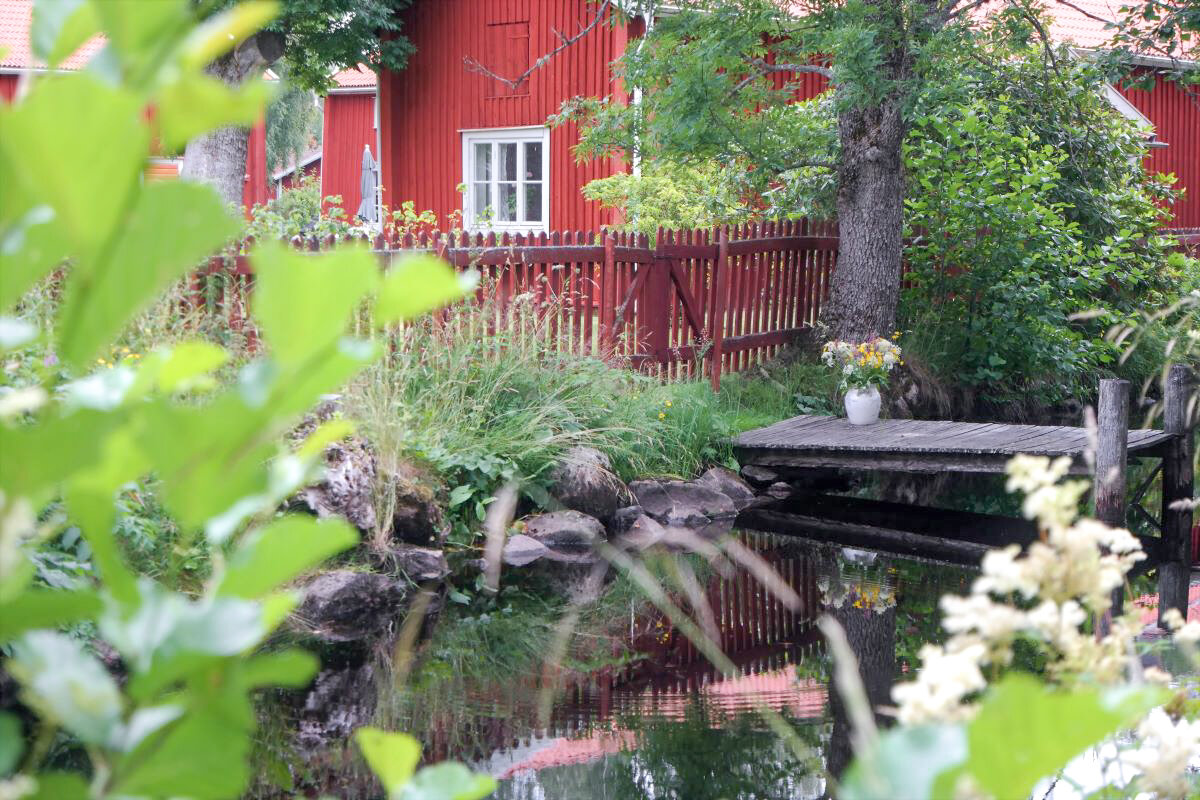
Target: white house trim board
column 490, row 183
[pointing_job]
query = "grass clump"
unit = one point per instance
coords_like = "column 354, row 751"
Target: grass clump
column 484, row 394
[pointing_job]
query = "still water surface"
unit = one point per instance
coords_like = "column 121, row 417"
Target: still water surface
column 669, row 725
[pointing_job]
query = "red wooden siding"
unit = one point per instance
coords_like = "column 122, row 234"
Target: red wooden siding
column 424, row 108
column 290, row 181
column 349, row 125
column 255, row 188
column 1176, row 118
column 8, row 86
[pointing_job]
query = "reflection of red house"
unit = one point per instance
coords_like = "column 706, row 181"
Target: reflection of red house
column 444, row 124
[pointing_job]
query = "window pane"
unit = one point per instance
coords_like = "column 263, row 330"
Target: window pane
column 508, row 161
column 483, row 161
column 533, row 161
column 533, row 202
column 481, row 202
column 506, row 210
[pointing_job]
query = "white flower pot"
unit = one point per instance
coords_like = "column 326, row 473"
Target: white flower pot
column 862, row 406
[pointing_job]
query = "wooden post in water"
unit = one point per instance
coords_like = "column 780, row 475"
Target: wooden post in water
column 1112, row 420
column 1178, row 480
column 1112, row 453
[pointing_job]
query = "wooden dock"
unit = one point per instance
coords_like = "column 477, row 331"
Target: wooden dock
column 935, row 446
column 906, row 445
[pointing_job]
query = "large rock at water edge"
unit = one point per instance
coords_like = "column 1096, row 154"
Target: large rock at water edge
column 568, row 532
column 520, row 550
column 583, row 481
column 348, row 606
column 728, row 483
column 347, row 490
column 641, row 534
column 685, row 504
column 420, row 564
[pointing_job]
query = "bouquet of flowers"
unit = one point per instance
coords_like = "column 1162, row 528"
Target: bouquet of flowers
column 863, row 365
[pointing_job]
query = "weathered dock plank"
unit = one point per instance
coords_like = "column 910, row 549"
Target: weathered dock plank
column 920, row 445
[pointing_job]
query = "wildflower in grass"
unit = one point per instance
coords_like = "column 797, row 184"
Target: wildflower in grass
column 662, row 415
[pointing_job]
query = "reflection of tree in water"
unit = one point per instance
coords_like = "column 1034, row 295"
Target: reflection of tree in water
column 870, row 625
column 705, row 755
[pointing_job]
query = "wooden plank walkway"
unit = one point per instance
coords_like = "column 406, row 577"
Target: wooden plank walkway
column 924, row 446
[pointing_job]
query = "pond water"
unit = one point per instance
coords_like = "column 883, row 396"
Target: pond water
column 665, row 723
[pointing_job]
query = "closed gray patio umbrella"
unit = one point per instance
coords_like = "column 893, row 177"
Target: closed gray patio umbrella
column 368, row 209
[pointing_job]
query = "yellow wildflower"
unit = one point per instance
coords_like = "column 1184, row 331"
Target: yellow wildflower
column 661, row 415
column 667, row 403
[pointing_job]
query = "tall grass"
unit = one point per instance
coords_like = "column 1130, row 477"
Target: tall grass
column 483, row 394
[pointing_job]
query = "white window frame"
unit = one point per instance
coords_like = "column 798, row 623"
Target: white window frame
column 494, row 136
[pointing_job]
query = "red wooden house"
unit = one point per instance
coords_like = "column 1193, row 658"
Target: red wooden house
column 443, row 125
column 457, row 141
column 350, row 122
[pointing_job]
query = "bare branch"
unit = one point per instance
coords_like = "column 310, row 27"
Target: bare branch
column 764, row 67
column 564, row 42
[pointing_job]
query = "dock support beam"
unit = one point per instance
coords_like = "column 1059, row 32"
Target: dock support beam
column 1178, row 482
column 1112, row 453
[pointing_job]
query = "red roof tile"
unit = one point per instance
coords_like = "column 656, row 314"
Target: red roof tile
column 359, row 77
column 15, row 19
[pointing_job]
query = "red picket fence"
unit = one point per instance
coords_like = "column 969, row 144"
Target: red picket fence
column 692, row 302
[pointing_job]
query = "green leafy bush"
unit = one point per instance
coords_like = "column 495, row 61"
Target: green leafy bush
column 76, row 439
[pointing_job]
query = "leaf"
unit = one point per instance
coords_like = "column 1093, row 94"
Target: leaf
column 46, row 608
column 144, row 722
column 392, row 757
column 418, row 284
column 461, row 494
column 174, row 225
column 286, row 548
column 140, row 32
column 59, row 27
column 60, row 786
column 67, row 685
column 293, row 669
column 71, row 141
column 224, row 31
column 303, row 302
column 906, row 763
column 1025, row 731
column 186, row 362
column 30, row 246
column 448, row 781
column 203, row 757
column 12, row 744
column 198, row 103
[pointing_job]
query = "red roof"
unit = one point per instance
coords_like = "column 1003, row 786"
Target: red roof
column 358, row 78
column 15, row 19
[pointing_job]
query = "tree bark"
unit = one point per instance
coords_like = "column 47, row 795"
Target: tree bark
column 872, row 637
column 219, row 157
column 870, row 203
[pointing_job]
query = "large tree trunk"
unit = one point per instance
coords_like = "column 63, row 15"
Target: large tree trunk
column 870, row 204
column 219, row 157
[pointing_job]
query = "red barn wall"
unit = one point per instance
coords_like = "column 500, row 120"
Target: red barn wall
column 425, row 107
column 8, row 86
column 291, row 181
column 349, row 124
column 1176, row 118
column 255, row 188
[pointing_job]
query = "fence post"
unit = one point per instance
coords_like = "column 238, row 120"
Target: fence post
column 656, row 322
column 720, row 297
column 1174, row 572
column 608, row 299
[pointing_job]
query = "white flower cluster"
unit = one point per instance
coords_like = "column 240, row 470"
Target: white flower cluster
column 1045, row 594
column 1166, row 747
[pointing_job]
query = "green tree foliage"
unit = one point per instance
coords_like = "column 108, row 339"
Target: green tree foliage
column 673, row 196
column 293, row 125
column 71, row 156
column 321, row 36
column 1028, row 194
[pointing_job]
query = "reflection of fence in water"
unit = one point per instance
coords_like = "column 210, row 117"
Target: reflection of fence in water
column 764, row 639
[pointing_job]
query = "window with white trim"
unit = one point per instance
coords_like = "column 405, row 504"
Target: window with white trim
column 507, row 172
